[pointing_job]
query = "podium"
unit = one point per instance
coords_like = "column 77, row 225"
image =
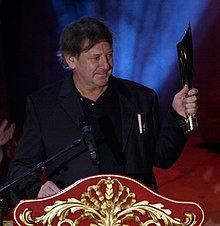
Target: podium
column 107, row 200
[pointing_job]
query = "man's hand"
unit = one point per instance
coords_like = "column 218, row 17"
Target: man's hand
column 185, row 101
column 47, row 189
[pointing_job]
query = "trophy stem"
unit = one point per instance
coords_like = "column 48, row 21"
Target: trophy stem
column 189, row 124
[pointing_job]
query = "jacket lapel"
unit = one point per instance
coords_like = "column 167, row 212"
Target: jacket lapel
column 69, row 100
column 127, row 108
column 127, row 116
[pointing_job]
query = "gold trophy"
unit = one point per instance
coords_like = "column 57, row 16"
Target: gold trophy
column 185, row 58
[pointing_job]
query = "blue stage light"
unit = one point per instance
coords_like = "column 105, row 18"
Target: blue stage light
column 146, row 33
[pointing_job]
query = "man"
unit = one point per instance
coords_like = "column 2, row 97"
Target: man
column 112, row 106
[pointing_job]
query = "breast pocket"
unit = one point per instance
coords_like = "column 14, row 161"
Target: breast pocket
column 144, row 123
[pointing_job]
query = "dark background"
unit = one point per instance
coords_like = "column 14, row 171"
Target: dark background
column 146, row 33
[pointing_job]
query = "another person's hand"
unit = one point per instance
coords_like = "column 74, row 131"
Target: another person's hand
column 47, row 189
column 6, row 134
column 185, row 101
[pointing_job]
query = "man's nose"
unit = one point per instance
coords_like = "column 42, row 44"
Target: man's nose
column 105, row 63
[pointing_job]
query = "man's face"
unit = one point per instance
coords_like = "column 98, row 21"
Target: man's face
column 94, row 67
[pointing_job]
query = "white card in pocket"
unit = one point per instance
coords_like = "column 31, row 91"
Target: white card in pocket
column 142, row 122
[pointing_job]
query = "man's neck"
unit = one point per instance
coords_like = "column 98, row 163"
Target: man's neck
column 92, row 93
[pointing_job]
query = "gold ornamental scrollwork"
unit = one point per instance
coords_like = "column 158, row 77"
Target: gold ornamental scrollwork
column 108, row 203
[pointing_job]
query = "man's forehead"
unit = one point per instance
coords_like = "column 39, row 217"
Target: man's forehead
column 100, row 48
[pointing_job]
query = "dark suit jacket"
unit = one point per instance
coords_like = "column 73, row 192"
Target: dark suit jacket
column 52, row 123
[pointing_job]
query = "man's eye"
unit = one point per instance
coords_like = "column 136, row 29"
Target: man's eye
column 109, row 55
column 95, row 58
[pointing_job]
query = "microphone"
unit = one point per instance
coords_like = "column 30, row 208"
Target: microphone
column 88, row 139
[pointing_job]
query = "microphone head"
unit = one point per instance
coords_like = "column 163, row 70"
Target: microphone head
column 85, row 125
column 88, row 139
column 83, row 121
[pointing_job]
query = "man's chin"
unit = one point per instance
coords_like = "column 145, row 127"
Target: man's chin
column 103, row 81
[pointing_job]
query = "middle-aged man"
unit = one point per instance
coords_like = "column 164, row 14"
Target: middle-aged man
column 123, row 114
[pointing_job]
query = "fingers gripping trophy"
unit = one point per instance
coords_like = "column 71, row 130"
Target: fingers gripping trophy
column 185, row 58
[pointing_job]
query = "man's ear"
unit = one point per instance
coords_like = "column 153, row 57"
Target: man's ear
column 70, row 60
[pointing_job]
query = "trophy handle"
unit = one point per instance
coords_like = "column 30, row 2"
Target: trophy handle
column 189, row 124
column 185, row 58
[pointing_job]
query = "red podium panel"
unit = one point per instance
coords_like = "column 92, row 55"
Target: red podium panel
column 107, row 200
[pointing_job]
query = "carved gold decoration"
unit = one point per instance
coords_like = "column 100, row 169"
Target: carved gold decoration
column 108, row 203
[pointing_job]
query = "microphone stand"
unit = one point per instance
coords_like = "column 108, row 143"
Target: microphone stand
column 8, row 184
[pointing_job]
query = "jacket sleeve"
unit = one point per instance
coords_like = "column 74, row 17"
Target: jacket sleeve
column 170, row 140
column 27, row 155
